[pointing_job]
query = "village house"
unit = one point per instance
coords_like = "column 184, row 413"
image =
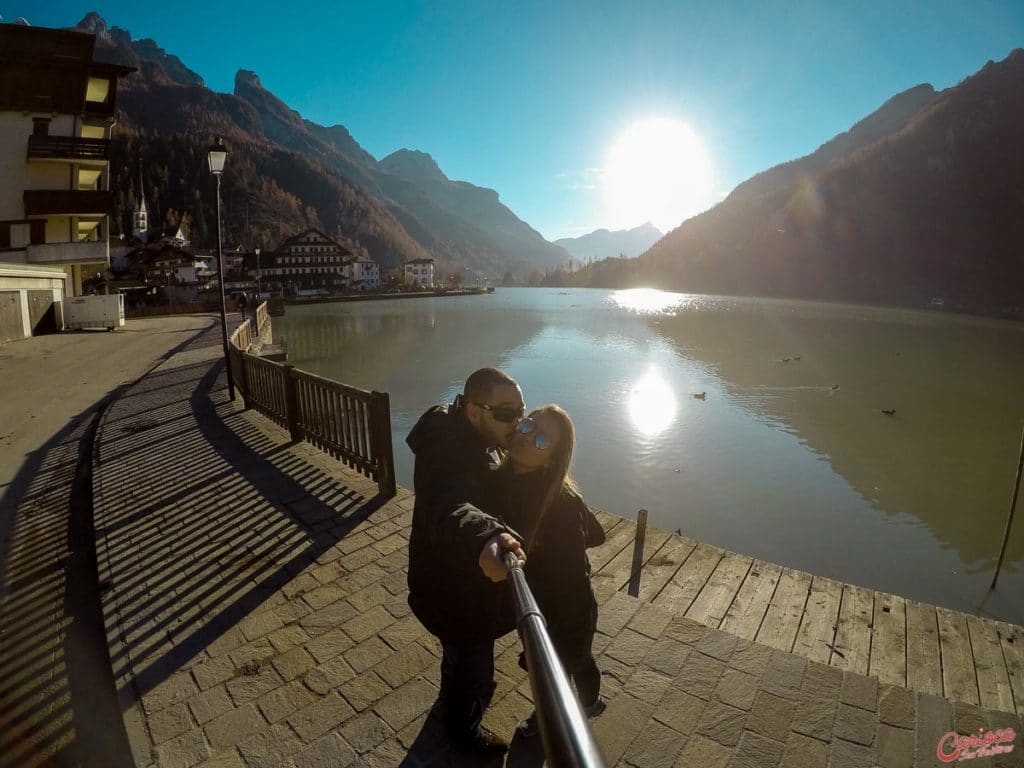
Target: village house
column 364, row 274
column 419, row 272
column 57, row 108
column 309, row 260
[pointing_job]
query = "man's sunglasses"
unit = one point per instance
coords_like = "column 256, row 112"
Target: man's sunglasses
column 529, row 427
column 504, row 413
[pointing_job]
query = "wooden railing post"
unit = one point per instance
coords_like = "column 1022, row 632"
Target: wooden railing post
column 243, row 378
column 291, row 402
column 380, row 442
column 638, row 552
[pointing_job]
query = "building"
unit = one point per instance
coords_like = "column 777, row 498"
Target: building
column 57, row 107
column 364, row 274
column 30, row 300
column 140, row 216
column 310, row 260
column 180, row 266
column 419, row 272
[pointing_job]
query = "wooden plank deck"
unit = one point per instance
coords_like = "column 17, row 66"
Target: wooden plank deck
column 898, row 640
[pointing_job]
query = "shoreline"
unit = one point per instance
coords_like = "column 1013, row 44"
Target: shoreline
column 386, row 296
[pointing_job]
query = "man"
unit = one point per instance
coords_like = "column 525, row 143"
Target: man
column 456, row 549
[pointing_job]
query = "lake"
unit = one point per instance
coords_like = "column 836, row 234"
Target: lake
column 787, row 456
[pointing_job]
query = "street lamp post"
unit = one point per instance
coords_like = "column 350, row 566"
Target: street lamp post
column 216, row 156
column 259, row 274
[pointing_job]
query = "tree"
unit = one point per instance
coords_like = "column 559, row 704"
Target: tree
column 508, row 280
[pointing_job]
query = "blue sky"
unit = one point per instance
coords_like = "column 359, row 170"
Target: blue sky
column 529, row 98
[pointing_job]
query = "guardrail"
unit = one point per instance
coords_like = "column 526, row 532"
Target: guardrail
column 568, row 742
column 68, row 147
column 350, row 424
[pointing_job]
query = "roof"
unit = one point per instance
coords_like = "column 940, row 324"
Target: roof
column 46, row 70
column 420, row 261
column 295, row 240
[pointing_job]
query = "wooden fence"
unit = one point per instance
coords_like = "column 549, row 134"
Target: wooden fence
column 350, row 424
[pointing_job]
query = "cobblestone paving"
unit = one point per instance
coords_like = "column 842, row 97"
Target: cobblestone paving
column 255, row 599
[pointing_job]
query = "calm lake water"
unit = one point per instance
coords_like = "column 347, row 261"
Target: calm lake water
column 793, row 462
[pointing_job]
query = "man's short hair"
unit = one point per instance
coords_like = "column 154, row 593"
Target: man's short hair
column 481, row 384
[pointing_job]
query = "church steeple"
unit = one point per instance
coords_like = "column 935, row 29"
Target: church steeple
column 140, row 216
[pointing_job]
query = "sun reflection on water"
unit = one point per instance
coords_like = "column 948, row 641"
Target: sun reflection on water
column 652, row 404
column 648, row 301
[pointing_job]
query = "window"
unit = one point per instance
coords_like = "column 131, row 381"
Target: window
column 40, row 126
column 97, row 90
column 37, row 232
column 5, row 235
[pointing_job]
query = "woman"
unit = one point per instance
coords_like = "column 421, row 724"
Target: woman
column 545, row 506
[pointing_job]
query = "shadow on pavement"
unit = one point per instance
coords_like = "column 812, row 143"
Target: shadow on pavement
column 58, row 704
column 203, row 520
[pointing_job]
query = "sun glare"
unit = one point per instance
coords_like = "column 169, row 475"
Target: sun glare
column 651, row 404
column 657, row 171
column 647, row 301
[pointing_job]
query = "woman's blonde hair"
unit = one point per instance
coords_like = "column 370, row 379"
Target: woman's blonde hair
column 556, row 477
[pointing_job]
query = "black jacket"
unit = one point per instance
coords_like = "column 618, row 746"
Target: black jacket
column 454, row 481
column 557, row 566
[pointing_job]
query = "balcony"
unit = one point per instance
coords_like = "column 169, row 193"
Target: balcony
column 68, row 253
column 69, row 149
column 67, row 202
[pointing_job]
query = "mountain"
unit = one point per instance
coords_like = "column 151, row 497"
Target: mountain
column 133, row 53
column 921, row 199
column 288, row 173
column 891, row 117
column 478, row 207
column 605, row 244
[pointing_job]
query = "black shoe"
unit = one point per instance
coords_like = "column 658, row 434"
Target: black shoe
column 528, row 727
column 483, row 742
column 595, row 709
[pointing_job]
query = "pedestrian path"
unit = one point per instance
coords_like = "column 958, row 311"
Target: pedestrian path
column 254, row 594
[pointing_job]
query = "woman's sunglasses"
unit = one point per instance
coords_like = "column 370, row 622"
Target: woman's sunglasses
column 529, row 427
column 504, row 413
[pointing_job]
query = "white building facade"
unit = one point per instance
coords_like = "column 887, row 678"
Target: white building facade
column 310, row 260
column 364, row 274
column 419, row 272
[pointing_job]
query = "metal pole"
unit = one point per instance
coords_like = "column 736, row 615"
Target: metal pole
column 223, row 299
column 1009, row 517
column 568, row 742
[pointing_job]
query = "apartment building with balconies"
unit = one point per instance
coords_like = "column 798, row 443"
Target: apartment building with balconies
column 57, row 110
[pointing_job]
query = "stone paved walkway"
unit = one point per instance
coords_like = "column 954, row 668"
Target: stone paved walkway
column 255, row 599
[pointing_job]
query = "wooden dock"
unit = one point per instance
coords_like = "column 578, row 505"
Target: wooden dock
column 900, row 641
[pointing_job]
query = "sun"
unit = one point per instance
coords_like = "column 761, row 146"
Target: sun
column 659, row 171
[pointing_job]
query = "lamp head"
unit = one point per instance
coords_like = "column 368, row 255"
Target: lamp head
column 216, row 156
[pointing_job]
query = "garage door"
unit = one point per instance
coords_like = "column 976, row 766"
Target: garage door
column 41, row 315
column 10, row 316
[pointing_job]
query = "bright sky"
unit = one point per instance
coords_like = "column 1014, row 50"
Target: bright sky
column 581, row 115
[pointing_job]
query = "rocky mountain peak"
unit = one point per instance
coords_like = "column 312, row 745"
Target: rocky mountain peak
column 413, row 164
column 92, row 23
column 247, row 78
